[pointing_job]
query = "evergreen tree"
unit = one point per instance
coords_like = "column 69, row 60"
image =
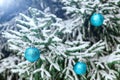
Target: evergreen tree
column 62, row 43
column 82, row 10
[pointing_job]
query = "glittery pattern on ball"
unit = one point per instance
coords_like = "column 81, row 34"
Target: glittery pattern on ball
column 96, row 19
column 80, row 68
column 32, row 54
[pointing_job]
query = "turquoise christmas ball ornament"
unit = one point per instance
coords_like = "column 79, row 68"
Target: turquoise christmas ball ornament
column 96, row 19
column 32, row 54
column 80, row 68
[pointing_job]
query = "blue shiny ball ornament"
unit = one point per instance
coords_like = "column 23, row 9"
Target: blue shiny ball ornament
column 96, row 19
column 32, row 54
column 80, row 68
